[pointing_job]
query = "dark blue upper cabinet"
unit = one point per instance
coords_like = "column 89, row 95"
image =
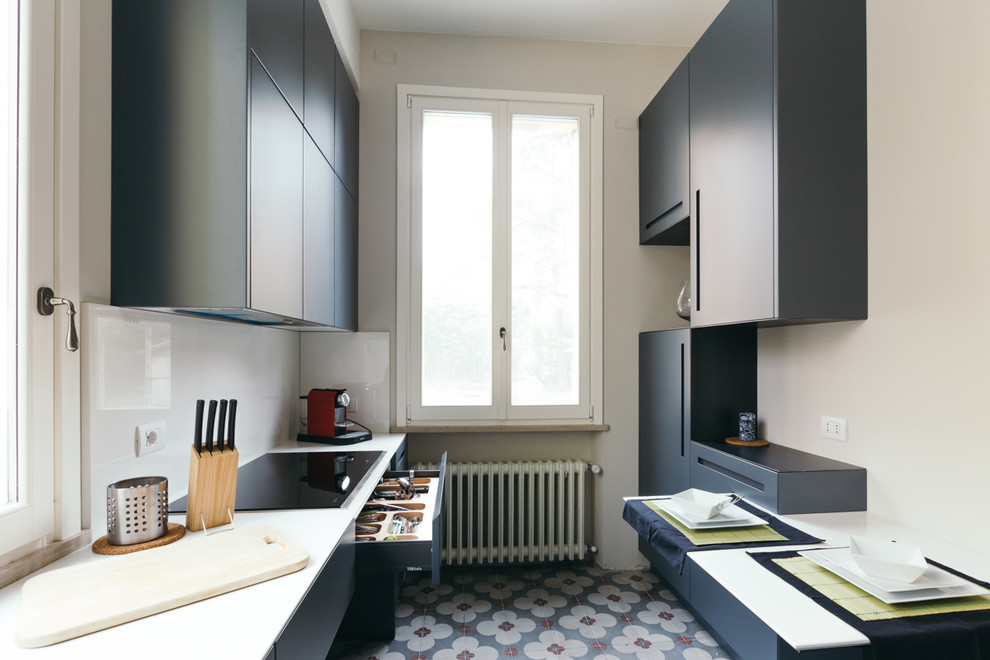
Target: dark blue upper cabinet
column 319, row 67
column 276, row 37
column 346, row 108
column 778, row 164
column 663, row 164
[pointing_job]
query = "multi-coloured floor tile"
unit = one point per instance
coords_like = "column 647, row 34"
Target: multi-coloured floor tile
column 540, row 612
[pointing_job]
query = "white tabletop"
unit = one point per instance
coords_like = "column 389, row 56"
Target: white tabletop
column 797, row 619
column 239, row 624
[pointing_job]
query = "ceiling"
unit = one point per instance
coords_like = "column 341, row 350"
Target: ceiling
column 657, row 22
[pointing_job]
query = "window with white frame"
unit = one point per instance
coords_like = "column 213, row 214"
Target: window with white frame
column 499, row 257
column 40, row 497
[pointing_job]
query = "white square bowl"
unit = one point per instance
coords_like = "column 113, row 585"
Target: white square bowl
column 886, row 559
column 699, row 504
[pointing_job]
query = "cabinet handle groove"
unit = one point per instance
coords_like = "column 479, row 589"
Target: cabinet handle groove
column 682, row 400
column 697, row 250
column 664, row 214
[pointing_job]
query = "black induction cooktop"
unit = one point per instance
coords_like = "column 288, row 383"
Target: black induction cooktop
column 297, row 480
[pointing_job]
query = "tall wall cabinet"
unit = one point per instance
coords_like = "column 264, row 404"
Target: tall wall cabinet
column 777, row 142
column 231, row 195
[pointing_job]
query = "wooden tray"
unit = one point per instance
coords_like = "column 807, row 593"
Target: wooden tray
column 77, row 600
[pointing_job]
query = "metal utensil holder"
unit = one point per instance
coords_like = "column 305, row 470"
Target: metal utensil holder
column 137, row 510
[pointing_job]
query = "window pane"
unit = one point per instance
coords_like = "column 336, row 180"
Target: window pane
column 457, row 259
column 546, row 235
column 8, row 249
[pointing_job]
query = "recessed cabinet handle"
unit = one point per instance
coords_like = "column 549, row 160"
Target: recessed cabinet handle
column 697, row 250
column 46, row 307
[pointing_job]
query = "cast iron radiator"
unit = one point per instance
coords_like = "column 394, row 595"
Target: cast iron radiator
column 513, row 512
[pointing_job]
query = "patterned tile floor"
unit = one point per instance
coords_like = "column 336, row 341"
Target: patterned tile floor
column 554, row 611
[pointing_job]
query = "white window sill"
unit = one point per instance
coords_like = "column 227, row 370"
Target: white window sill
column 502, row 427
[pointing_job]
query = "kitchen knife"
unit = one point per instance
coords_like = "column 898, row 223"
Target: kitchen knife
column 210, row 420
column 230, row 424
column 198, row 437
column 221, row 424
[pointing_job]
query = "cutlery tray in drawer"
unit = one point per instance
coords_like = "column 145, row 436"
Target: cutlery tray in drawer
column 396, row 534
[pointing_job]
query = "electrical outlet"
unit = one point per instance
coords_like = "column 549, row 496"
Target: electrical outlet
column 149, row 437
column 834, row 427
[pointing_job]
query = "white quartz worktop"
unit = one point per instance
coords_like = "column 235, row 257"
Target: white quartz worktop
column 239, row 624
column 797, row 619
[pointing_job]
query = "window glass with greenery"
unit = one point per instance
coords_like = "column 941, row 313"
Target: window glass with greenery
column 499, row 277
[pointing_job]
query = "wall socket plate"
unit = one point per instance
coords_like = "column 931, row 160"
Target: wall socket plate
column 149, row 437
column 834, row 428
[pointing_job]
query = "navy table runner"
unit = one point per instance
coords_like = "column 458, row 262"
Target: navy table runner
column 673, row 546
column 943, row 636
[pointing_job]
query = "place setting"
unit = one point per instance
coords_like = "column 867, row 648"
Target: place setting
column 696, row 519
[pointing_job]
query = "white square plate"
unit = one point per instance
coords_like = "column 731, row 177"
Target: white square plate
column 731, row 516
column 933, row 585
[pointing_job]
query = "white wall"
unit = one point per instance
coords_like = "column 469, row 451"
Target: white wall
column 641, row 283
column 913, row 380
column 143, row 367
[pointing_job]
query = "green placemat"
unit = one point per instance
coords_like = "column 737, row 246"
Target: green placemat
column 865, row 606
column 753, row 534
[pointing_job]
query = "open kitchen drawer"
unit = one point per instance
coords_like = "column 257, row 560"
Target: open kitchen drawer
column 384, row 547
column 382, row 556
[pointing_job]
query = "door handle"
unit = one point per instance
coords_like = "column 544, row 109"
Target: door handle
column 46, row 307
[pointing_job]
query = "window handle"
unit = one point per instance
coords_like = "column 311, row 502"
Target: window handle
column 501, row 333
column 46, row 307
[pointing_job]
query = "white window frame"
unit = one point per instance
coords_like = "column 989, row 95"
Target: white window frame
column 409, row 414
column 49, row 507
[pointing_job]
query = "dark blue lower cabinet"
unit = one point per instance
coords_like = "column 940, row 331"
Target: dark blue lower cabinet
column 313, row 626
column 744, row 635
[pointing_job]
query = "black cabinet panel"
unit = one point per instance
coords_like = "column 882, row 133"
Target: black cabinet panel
column 693, row 383
column 345, row 259
column 313, row 627
column 664, row 409
column 276, row 200
column 276, row 37
column 778, row 164
column 320, row 65
column 732, row 166
column 346, row 111
column 319, row 192
column 664, row 196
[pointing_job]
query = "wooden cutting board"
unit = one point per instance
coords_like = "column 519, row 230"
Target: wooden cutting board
column 78, row 600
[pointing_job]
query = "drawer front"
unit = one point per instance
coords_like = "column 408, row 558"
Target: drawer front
column 721, row 473
column 415, row 551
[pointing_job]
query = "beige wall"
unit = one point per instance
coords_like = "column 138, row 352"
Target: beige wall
column 913, row 381
column 641, row 283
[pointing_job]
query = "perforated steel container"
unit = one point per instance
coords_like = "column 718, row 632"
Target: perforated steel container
column 137, row 510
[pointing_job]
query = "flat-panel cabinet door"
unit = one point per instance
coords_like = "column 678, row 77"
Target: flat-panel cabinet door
column 319, row 191
column 345, row 162
column 345, row 259
column 732, row 167
column 320, row 65
column 664, row 411
column 275, row 34
column 276, row 199
column 664, row 195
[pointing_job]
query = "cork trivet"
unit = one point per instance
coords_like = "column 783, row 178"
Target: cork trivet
column 175, row 532
column 747, row 443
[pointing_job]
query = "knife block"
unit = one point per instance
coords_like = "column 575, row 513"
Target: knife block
column 212, row 489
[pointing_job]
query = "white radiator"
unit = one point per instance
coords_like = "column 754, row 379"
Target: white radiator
column 529, row 511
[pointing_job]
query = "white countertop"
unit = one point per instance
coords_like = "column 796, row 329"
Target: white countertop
column 239, row 624
column 796, row 618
